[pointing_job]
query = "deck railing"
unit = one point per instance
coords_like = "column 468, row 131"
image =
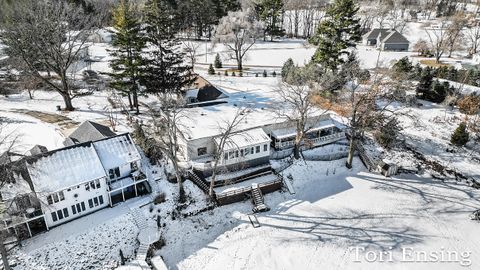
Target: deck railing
column 315, row 141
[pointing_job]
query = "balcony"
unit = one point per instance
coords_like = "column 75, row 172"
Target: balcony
column 309, row 143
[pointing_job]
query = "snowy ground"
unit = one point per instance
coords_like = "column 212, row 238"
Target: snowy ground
column 328, row 217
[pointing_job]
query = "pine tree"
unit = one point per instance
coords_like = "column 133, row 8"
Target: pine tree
column 425, row 83
column 460, row 136
column 128, row 43
column 166, row 71
column 270, row 11
column 211, row 70
column 265, row 73
column 218, row 62
column 339, row 31
column 403, row 65
column 287, row 68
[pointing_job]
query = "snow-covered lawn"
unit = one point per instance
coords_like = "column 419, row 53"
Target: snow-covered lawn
column 329, row 217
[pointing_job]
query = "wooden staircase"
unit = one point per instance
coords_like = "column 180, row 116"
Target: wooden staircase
column 197, row 181
column 258, row 200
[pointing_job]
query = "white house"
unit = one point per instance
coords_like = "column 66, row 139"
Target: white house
column 55, row 187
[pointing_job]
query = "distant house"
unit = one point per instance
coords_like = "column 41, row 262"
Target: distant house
column 88, row 131
column 54, row 187
column 386, row 39
column 203, row 92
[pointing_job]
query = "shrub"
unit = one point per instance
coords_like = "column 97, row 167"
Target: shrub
column 233, row 74
column 211, row 70
column 460, row 136
column 160, row 198
column 265, row 73
column 287, row 67
column 226, row 73
column 469, row 105
column 274, row 74
column 387, row 134
column 218, row 62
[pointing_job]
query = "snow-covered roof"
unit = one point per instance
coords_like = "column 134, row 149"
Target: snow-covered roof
column 291, row 131
column 245, row 138
column 64, row 168
column 116, row 151
column 395, row 37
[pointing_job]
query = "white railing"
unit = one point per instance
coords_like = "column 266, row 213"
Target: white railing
column 315, row 141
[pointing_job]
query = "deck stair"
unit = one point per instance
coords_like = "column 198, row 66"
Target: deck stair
column 197, row 181
column 258, row 200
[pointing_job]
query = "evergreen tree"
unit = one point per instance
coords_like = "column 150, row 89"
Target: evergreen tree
column 452, row 74
column 425, row 83
column 127, row 63
column 460, row 136
column 403, row 65
column 265, row 73
column 339, row 31
column 287, row 68
column 218, row 62
column 438, row 92
column 211, row 70
column 166, row 71
column 270, row 11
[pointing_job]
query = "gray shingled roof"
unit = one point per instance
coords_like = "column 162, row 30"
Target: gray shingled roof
column 89, row 131
column 395, row 38
column 373, row 34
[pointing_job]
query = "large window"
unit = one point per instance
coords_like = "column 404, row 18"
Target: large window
column 95, row 201
column 54, row 216
column 60, row 214
column 100, row 198
column 74, row 210
column 90, row 203
column 114, row 173
column 225, row 156
column 265, row 148
column 257, row 149
column 65, row 212
column 201, row 151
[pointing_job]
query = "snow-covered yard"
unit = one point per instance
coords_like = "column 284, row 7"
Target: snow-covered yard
column 330, row 217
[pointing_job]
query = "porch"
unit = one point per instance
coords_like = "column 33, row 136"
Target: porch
column 284, row 139
column 24, row 224
column 122, row 189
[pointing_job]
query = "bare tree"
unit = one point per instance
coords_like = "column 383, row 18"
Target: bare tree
column 168, row 132
column 49, row 36
column 472, row 33
column 238, row 31
column 228, row 128
column 438, row 37
column 296, row 104
column 190, row 47
column 455, row 33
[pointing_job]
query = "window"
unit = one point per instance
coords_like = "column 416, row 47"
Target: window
column 90, row 203
column 236, row 153
column 78, row 208
column 247, row 151
column 253, row 150
column 241, row 152
column 87, row 187
column 97, row 183
column 92, row 185
column 114, row 173
column 60, row 214
column 62, row 196
column 225, row 156
column 74, row 210
column 55, row 197
column 49, row 199
column 83, row 206
column 201, row 151
column 54, row 216
column 100, row 198
column 65, row 212
column 134, row 166
column 95, row 201
column 257, row 149
column 265, row 148
column 230, row 155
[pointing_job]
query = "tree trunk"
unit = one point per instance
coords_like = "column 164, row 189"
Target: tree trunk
column 68, row 102
column 296, row 150
column 3, row 252
column 351, row 151
column 239, row 63
column 130, row 104
column 214, row 176
column 181, row 190
column 135, row 101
